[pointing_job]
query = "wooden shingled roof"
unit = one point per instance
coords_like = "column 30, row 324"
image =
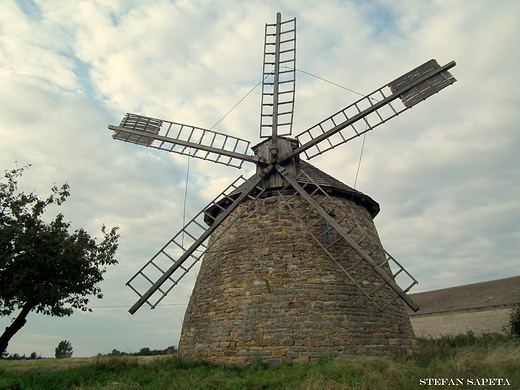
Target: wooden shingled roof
column 324, row 180
column 484, row 295
column 330, row 184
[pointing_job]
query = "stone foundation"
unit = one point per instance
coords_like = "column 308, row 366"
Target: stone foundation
column 267, row 290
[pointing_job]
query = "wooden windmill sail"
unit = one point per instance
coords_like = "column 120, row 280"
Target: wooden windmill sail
column 304, row 196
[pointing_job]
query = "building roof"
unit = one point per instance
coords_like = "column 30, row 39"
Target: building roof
column 327, row 182
column 484, row 295
column 331, row 183
column 324, row 180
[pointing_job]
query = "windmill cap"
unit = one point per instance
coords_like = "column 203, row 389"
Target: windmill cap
column 337, row 188
column 332, row 185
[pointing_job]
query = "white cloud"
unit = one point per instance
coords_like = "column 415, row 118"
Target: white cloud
column 445, row 172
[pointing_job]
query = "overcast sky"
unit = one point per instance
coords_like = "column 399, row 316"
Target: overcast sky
column 446, row 173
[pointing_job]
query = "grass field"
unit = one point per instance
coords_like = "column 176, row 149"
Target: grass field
column 470, row 362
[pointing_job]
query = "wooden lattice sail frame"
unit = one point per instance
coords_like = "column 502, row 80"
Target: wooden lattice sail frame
column 277, row 158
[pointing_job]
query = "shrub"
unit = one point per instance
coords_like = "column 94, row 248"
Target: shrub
column 63, row 350
column 115, row 364
column 514, row 322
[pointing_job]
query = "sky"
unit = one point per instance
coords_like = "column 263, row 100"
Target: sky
column 446, row 173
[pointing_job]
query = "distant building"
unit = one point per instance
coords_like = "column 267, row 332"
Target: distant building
column 481, row 307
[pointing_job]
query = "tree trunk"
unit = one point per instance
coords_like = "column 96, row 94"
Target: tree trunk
column 17, row 324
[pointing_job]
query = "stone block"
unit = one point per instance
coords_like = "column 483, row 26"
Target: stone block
column 327, row 343
column 301, row 360
column 279, row 296
column 312, row 343
column 287, row 341
column 280, row 351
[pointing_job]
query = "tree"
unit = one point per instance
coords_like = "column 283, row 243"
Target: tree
column 44, row 268
column 514, row 322
column 63, row 350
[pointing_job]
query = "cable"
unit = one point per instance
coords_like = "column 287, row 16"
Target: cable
column 287, row 67
column 240, row 101
column 185, row 199
column 350, row 90
column 327, row 81
column 360, row 158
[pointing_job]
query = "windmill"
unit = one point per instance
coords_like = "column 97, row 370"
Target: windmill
column 292, row 265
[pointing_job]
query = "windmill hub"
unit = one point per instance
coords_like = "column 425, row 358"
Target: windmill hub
column 270, row 151
column 292, row 268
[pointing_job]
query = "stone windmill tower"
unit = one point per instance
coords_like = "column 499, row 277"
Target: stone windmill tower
column 292, row 266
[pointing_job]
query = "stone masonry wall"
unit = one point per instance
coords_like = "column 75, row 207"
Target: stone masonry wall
column 453, row 323
column 266, row 289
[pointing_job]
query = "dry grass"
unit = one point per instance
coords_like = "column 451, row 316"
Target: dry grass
column 435, row 359
column 318, row 382
column 502, row 354
column 48, row 364
column 111, row 386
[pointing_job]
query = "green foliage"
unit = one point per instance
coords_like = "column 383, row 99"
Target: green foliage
column 44, row 267
column 115, row 364
column 152, row 352
column 63, row 350
column 145, row 352
column 466, row 340
column 42, row 263
column 16, row 356
column 514, row 322
column 116, row 352
column 449, row 345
